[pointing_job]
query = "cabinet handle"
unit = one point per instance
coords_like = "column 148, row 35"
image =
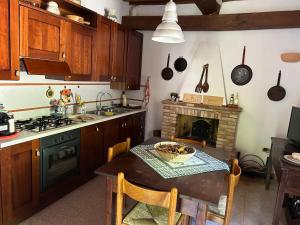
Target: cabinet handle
column 37, row 153
column 125, row 124
column 122, row 125
column 115, row 78
column 128, row 87
column 63, row 55
column 97, row 129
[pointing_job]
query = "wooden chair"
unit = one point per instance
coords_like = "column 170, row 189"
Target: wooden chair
column 215, row 214
column 146, row 196
column 118, row 149
column 201, row 144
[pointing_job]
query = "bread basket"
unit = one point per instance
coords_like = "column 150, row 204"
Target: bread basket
column 170, row 156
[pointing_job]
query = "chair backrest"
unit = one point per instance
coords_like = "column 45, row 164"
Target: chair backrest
column 147, row 196
column 234, row 178
column 118, row 149
column 201, row 144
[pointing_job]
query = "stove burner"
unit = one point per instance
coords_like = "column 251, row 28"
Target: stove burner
column 43, row 123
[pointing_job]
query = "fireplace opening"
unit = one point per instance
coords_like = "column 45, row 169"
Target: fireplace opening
column 197, row 128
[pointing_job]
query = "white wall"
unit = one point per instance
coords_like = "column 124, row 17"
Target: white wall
column 261, row 118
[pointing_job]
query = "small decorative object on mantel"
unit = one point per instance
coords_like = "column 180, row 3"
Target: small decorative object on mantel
column 233, row 101
column 192, row 98
column 212, row 100
column 53, row 7
column 174, row 97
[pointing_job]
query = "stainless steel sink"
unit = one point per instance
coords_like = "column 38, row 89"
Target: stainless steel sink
column 110, row 111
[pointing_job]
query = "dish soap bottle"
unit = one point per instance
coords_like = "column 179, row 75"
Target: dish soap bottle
column 124, row 99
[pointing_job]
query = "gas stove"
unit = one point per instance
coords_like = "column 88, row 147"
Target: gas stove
column 43, row 123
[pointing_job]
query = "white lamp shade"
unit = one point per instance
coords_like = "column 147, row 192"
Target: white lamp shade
column 168, row 31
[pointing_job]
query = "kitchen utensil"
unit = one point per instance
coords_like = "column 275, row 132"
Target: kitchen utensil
column 205, row 86
column 242, row 73
column 290, row 57
column 277, row 92
column 49, row 92
column 180, row 64
column 167, row 72
column 199, row 85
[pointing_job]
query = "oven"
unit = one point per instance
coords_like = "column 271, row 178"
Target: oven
column 59, row 157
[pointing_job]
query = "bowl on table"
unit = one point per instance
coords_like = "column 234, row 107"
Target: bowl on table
column 174, row 152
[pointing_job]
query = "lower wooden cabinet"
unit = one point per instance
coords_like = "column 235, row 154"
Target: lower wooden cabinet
column 138, row 128
column 20, row 180
column 111, row 135
column 91, row 151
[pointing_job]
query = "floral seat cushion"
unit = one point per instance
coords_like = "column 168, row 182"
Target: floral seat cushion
column 143, row 214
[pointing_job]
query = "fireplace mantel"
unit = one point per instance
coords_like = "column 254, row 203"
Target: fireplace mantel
column 228, row 120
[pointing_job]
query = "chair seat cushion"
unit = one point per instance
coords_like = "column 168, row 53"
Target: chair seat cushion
column 143, row 214
column 220, row 210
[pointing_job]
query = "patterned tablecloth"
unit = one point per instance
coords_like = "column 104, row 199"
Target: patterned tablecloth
column 199, row 163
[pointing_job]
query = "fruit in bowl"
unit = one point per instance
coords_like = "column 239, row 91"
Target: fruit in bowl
column 174, row 152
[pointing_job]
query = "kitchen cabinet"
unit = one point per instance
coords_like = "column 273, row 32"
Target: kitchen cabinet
column 133, row 60
column 41, row 35
column 111, row 135
column 80, row 51
column 138, row 128
column 125, row 128
column 20, row 180
column 91, row 152
column 104, row 49
column 127, row 59
column 119, row 50
column 9, row 40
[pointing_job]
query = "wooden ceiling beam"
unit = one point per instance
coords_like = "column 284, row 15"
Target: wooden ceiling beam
column 225, row 22
column 207, row 7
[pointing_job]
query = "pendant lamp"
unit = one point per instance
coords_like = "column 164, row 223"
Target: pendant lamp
column 168, row 31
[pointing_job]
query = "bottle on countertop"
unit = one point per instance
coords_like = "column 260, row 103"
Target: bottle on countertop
column 11, row 124
column 124, row 99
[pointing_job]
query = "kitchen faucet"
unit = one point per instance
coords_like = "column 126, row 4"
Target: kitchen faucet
column 102, row 94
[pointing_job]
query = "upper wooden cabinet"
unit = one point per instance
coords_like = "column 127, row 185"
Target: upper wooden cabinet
column 9, row 40
column 20, row 180
column 80, row 51
column 104, row 49
column 133, row 60
column 42, row 35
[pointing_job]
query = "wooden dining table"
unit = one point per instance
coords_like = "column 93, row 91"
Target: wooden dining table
column 195, row 191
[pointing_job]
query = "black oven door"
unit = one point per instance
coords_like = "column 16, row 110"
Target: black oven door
column 59, row 162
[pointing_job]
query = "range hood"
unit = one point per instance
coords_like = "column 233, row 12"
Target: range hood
column 52, row 69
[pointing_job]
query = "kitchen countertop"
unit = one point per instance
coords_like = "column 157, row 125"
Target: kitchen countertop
column 25, row 136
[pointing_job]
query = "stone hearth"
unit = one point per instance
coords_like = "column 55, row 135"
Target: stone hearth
column 228, row 120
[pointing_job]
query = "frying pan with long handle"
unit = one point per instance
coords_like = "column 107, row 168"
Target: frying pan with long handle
column 167, row 72
column 242, row 73
column 277, row 93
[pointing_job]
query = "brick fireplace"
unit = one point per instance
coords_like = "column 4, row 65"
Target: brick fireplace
column 226, row 126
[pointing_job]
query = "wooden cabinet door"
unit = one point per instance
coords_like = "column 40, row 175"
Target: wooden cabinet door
column 104, row 49
column 126, row 125
column 41, row 35
column 91, row 152
column 133, row 60
column 9, row 39
column 80, row 51
column 119, row 48
column 138, row 129
column 111, row 135
column 20, row 180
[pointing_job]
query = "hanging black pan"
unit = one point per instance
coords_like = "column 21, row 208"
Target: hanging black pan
column 277, row 93
column 167, row 72
column 180, row 64
column 242, row 73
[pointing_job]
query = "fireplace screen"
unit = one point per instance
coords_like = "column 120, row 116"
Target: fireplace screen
column 197, row 128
